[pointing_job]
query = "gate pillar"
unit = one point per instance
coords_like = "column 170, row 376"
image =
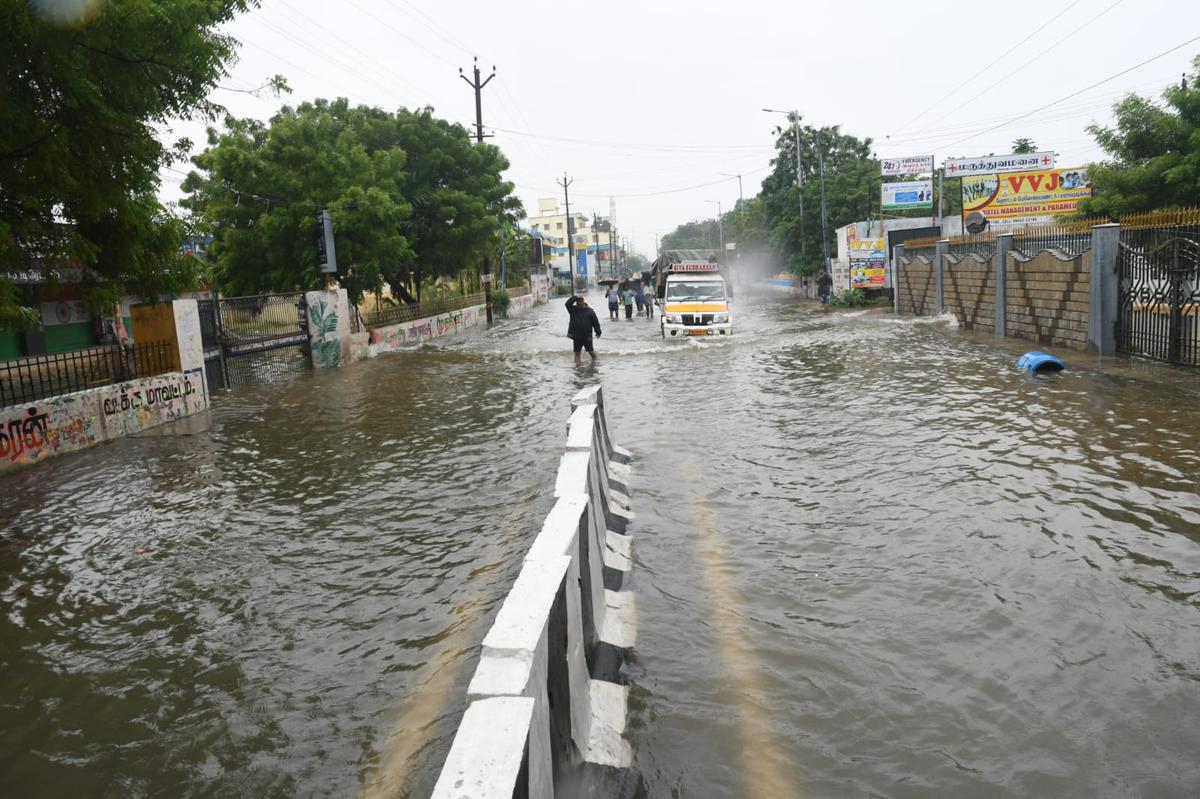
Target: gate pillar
column 329, row 327
column 1004, row 245
column 177, row 322
column 939, row 264
column 1104, row 288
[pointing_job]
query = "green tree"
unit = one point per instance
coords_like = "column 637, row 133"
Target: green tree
column 1153, row 154
column 1024, row 145
column 79, row 156
column 411, row 198
column 851, row 189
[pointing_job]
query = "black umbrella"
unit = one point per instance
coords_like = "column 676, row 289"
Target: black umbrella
column 608, row 281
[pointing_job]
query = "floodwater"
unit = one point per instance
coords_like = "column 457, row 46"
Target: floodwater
column 872, row 559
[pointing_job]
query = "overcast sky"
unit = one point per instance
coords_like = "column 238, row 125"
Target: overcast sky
column 651, row 102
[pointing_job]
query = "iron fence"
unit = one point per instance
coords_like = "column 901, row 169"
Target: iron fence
column 1069, row 238
column 37, row 377
column 982, row 245
column 398, row 314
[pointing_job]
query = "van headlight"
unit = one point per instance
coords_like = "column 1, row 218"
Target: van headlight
column 674, row 319
column 720, row 318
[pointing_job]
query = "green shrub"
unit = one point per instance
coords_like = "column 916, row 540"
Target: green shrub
column 850, row 298
column 500, row 303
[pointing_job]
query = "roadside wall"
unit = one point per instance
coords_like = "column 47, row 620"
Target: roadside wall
column 545, row 702
column 1048, row 298
column 408, row 334
column 918, row 291
column 970, row 292
column 70, row 422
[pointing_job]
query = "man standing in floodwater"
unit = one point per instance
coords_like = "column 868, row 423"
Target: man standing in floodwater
column 579, row 329
column 824, row 286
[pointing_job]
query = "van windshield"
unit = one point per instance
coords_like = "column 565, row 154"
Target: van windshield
column 684, row 291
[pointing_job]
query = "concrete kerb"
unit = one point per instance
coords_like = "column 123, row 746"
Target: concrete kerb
column 559, row 638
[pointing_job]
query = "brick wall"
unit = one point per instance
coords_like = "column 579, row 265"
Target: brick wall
column 969, row 292
column 1048, row 298
column 918, row 287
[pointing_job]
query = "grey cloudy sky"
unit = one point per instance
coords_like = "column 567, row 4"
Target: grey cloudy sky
column 653, row 102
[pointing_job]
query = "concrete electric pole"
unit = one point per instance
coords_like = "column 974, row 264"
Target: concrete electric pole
column 477, row 85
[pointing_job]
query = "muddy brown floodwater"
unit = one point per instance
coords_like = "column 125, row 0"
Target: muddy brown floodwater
column 872, row 559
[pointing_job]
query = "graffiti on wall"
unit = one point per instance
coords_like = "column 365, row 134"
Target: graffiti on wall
column 77, row 421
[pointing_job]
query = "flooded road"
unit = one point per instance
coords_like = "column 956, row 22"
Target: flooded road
column 872, row 559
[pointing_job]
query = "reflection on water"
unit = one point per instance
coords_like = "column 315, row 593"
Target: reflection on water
column 873, row 559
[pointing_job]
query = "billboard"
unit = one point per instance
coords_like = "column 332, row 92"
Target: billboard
column 991, row 164
column 1022, row 198
column 914, row 165
column 868, row 264
column 911, row 194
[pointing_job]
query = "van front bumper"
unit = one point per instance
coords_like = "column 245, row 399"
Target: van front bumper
column 686, row 331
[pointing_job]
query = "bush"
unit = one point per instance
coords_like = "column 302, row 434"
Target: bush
column 850, row 298
column 581, row 283
column 500, row 303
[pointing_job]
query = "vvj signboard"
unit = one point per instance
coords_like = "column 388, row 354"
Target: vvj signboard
column 1021, row 198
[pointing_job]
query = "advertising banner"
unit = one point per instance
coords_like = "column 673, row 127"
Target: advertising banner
column 991, row 164
column 908, row 195
column 868, row 264
column 914, row 165
column 1023, row 198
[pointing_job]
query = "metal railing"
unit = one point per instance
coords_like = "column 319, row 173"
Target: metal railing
column 398, row 314
column 37, row 377
column 1069, row 238
column 983, row 245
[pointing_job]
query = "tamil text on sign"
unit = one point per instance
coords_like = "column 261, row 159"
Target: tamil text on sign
column 1022, row 198
column 992, row 164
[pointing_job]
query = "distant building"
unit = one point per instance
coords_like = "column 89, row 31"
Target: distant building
column 592, row 245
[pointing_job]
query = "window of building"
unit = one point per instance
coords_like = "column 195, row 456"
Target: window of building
column 560, row 224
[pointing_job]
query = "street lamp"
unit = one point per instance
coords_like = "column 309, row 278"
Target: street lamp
column 720, row 227
column 795, row 117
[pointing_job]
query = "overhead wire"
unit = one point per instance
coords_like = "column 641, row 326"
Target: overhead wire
column 990, row 64
column 1061, row 41
column 1112, row 77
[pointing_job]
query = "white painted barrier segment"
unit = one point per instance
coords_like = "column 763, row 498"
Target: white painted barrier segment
column 546, row 636
column 486, row 756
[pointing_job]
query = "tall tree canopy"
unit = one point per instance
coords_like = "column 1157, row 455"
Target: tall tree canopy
column 1153, row 154
column 79, row 104
column 409, row 194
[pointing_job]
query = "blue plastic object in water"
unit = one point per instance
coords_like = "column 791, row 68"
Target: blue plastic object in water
column 1037, row 361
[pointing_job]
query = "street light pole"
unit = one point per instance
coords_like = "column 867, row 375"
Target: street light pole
column 794, row 117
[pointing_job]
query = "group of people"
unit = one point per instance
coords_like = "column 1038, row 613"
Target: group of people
column 624, row 294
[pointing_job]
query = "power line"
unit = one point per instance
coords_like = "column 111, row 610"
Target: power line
column 676, row 190
column 1077, row 93
column 1061, row 41
column 633, row 146
column 999, row 58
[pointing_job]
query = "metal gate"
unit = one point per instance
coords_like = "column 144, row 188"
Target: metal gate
column 210, row 339
column 264, row 337
column 1159, row 299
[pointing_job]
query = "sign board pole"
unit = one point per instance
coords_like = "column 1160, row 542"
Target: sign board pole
column 941, row 191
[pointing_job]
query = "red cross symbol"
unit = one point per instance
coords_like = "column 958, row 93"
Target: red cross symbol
column 1045, row 159
column 953, row 168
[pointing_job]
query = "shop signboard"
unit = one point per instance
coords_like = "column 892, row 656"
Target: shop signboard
column 1023, row 198
column 908, row 195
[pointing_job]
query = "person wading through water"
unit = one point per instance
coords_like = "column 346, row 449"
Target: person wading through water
column 824, row 287
column 579, row 329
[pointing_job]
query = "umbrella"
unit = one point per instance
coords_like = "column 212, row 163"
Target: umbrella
column 608, row 281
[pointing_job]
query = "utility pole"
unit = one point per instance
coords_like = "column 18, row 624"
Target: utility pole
column 794, row 117
column 720, row 229
column 566, row 184
column 596, row 239
column 824, row 231
column 477, row 85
